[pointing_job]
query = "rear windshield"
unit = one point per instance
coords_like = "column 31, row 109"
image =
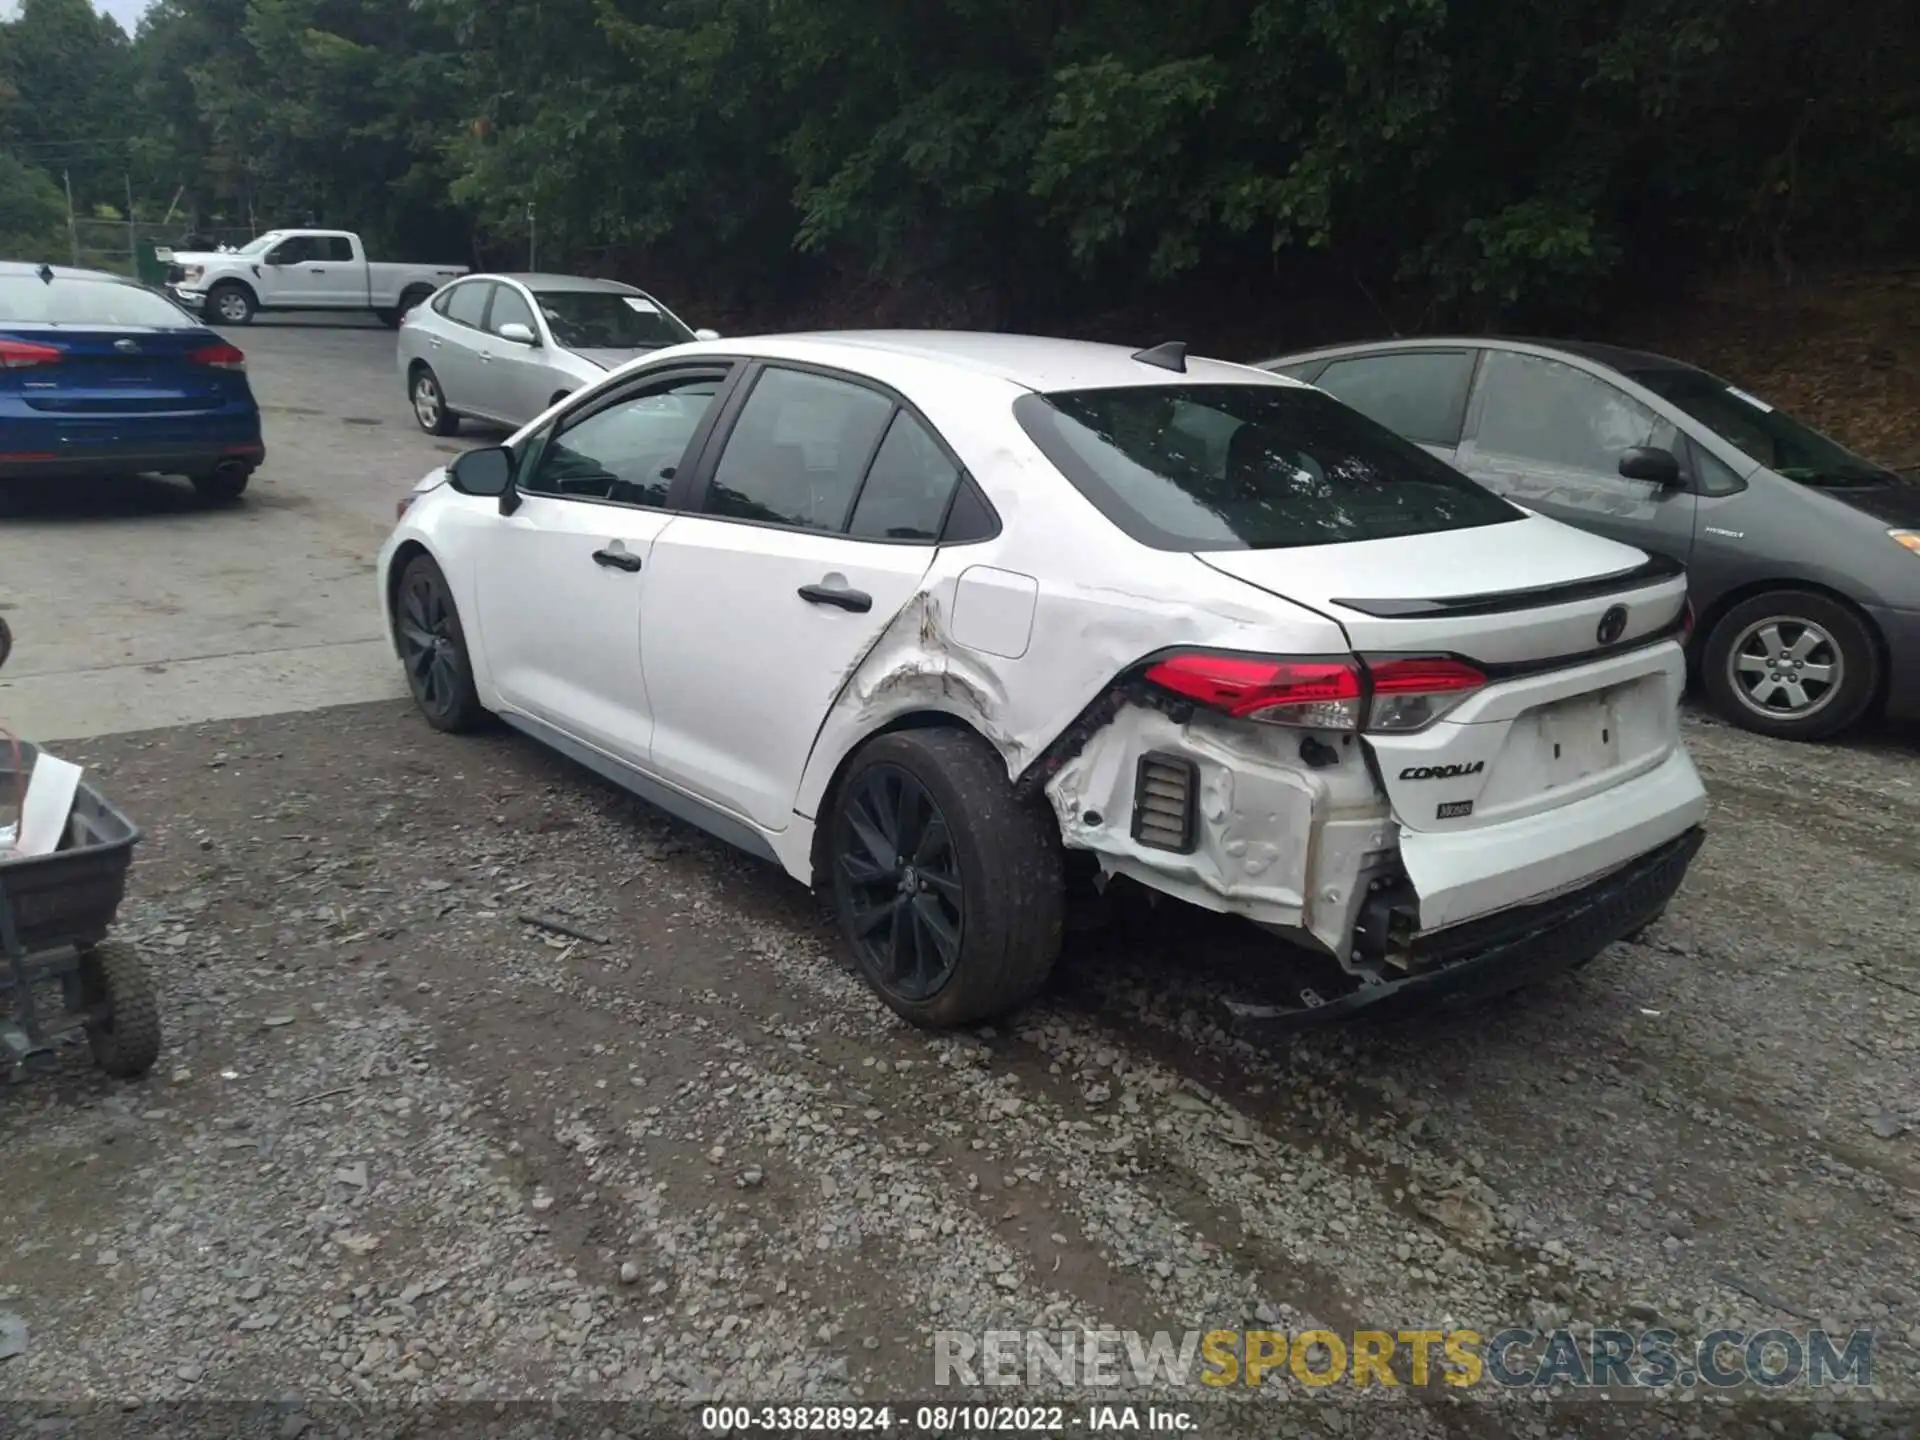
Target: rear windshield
column 608, row 320
column 29, row 300
column 1248, row 467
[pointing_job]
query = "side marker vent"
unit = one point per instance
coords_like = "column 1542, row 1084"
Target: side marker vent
column 1163, row 801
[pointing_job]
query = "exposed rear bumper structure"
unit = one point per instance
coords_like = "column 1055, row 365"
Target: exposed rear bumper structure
column 1503, row 951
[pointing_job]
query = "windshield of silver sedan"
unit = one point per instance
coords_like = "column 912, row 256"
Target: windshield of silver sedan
column 609, row 320
column 1761, row 431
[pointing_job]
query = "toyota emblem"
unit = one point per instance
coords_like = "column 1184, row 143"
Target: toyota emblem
column 126, row 346
column 1613, row 625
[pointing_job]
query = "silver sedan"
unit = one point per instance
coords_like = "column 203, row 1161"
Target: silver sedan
column 503, row 348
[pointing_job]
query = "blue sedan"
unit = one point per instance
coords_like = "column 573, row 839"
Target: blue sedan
column 102, row 377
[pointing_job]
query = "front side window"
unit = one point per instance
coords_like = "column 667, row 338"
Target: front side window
column 798, row 451
column 1419, row 394
column 1542, row 412
column 295, row 250
column 609, row 320
column 1248, row 467
column 509, row 309
column 467, row 304
column 628, row 452
column 1763, row 433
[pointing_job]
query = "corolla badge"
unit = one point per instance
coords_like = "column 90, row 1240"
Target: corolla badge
column 1613, row 625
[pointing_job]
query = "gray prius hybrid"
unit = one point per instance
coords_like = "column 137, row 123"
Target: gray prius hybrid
column 1803, row 558
column 502, row 349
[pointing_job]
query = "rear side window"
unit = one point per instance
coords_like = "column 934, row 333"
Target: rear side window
column 1248, row 467
column 467, row 303
column 908, row 486
column 1421, row 395
column 798, row 451
column 333, row 247
column 29, row 300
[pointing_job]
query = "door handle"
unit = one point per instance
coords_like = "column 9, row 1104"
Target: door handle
column 857, row 601
column 617, row 559
column 318, row 271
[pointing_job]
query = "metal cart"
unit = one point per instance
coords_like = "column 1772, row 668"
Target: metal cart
column 55, row 911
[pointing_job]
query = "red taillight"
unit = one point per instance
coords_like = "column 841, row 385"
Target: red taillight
column 1412, row 692
column 1315, row 693
column 24, row 355
column 1320, row 694
column 220, row 357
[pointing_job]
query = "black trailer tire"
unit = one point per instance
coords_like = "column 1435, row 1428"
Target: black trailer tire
column 975, row 905
column 1775, row 647
column 433, row 648
column 231, row 303
column 126, row 1040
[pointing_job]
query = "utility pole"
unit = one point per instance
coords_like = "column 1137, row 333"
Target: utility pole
column 133, row 233
column 533, row 249
column 73, row 231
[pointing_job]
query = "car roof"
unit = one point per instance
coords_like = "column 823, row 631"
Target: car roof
column 539, row 280
column 1033, row 362
column 1613, row 357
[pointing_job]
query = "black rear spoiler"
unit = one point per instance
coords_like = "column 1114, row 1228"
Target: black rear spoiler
column 1654, row 571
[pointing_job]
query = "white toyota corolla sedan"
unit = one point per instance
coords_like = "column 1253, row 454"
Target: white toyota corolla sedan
column 940, row 623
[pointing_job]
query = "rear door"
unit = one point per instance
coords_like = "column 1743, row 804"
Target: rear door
column 813, row 528
column 1549, row 435
column 338, row 278
column 464, row 381
column 1419, row 394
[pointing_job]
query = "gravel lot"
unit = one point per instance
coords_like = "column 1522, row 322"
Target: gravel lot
column 405, row 1146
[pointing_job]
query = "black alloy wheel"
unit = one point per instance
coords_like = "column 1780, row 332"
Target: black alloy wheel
column 433, row 648
column 898, row 882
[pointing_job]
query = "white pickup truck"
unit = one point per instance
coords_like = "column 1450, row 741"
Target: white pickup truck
column 299, row 270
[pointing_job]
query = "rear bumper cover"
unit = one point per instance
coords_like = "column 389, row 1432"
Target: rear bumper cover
column 1502, row 952
column 92, row 462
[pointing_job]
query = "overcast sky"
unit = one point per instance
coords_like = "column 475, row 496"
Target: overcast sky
column 127, row 12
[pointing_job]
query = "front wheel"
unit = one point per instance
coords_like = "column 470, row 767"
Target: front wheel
column 433, row 647
column 949, row 890
column 430, row 410
column 231, row 304
column 1791, row 664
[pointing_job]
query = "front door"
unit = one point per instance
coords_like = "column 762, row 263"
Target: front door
column 518, row 380
column 1549, row 436
column 813, row 533
column 565, row 580
column 283, row 279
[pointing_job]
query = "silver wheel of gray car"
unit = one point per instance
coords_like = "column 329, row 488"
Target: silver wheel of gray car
column 429, row 405
column 1785, row 667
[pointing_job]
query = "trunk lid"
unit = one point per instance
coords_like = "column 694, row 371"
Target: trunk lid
column 121, row 371
column 1581, row 694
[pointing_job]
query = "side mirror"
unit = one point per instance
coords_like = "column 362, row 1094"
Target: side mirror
column 483, row 472
column 706, row 334
column 1650, row 463
column 519, row 334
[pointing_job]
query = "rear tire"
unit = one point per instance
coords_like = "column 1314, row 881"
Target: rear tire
column 409, row 300
column 433, row 648
column 221, row 488
column 1791, row 664
column 230, row 304
column 114, row 979
column 429, row 401
column 969, row 926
